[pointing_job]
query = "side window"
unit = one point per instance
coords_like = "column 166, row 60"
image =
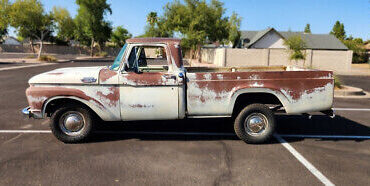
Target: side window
column 153, row 59
column 148, row 59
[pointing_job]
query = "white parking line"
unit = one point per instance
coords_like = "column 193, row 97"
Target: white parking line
column 303, row 160
column 324, row 136
column 26, row 66
column 352, row 109
column 25, row 131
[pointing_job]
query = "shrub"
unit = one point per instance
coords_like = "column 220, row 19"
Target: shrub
column 296, row 45
column 48, row 58
column 31, row 57
column 337, row 82
column 101, row 54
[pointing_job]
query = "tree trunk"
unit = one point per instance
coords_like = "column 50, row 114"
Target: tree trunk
column 92, row 47
column 99, row 47
column 40, row 50
column 31, row 45
column 199, row 54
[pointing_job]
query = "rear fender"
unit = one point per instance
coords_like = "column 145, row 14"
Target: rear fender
column 282, row 98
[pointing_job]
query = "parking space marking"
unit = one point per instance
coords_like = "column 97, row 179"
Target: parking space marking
column 324, row 136
column 25, row 131
column 26, row 66
column 294, row 152
column 303, row 160
column 352, row 109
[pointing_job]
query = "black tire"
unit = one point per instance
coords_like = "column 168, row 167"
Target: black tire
column 261, row 124
column 60, row 131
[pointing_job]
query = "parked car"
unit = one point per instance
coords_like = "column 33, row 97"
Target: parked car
column 136, row 87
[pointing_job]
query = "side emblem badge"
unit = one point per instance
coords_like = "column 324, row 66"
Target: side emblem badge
column 88, row 80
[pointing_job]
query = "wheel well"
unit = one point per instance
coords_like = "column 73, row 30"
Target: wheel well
column 249, row 98
column 53, row 105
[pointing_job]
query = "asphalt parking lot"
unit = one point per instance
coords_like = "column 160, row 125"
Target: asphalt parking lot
column 188, row 152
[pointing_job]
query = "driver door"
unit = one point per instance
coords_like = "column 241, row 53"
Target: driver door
column 148, row 92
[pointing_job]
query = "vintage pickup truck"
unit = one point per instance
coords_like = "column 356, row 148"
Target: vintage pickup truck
column 138, row 87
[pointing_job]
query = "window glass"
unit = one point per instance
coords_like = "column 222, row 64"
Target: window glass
column 153, row 59
column 118, row 59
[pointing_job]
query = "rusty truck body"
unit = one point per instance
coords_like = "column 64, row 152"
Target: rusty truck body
column 130, row 89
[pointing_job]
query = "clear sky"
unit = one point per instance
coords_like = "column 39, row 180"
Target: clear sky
column 282, row 15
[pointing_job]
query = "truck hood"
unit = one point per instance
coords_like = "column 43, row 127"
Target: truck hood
column 73, row 75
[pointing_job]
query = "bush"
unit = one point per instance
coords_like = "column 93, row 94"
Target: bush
column 31, row 57
column 48, row 58
column 101, row 54
column 337, row 82
column 296, row 45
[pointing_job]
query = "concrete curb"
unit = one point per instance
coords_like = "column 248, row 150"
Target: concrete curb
column 351, row 92
column 26, row 66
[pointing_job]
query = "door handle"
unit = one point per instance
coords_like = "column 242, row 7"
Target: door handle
column 168, row 76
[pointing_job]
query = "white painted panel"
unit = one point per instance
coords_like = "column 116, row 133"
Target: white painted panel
column 149, row 103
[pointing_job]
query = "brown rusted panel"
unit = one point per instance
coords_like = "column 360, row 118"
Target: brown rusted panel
column 224, row 83
column 148, row 79
column 112, row 96
column 153, row 40
column 176, row 54
column 201, row 76
column 38, row 95
column 106, row 74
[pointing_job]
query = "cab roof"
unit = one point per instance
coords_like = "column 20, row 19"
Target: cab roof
column 153, row 40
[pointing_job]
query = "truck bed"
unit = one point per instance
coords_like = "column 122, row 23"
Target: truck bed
column 213, row 91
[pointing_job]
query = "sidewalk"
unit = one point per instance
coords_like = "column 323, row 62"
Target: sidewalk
column 357, row 70
column 30, row 58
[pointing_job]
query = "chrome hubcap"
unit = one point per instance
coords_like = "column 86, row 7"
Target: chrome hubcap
column 72, row 123
column 255, row 124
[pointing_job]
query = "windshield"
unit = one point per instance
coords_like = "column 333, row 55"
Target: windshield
column 118, row 59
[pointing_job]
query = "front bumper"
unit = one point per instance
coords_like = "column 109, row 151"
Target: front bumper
column 27, row 112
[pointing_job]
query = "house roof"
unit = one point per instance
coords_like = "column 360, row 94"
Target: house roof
column 11, row 37
column 313, row 41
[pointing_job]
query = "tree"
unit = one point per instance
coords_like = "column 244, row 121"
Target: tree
column 4, row 17
column 152, row 18
column 197, row 22
column 234, row 29
column 307, row 29
column 156, row 27
column 296, row 45
column 90, row 24
column 30, row 20
column 65, row 25
column 338, row 31
column 119, row 36
column 359, row 52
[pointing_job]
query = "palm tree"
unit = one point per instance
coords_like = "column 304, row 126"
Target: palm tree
column 152, row 18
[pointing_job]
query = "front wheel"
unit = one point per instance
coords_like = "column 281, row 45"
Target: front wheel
column 255, row 124
column 71, row 124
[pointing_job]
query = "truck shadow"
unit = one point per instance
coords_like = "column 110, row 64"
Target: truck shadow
column 222, row 129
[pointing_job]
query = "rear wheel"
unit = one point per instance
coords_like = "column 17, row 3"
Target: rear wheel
column 71, row 124
column 255, row 124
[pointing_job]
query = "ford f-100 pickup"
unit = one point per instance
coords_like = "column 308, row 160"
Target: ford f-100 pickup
column 148, row 81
